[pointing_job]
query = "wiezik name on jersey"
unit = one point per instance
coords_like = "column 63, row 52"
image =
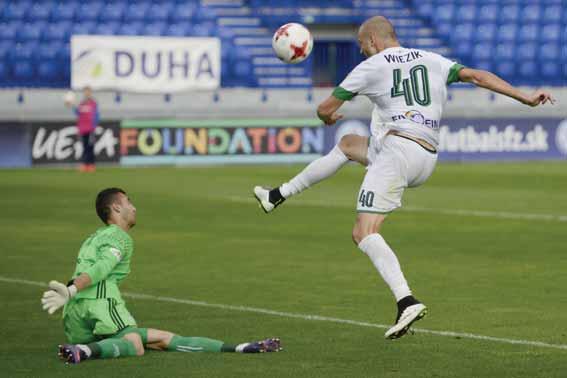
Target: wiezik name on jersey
column 404, row 58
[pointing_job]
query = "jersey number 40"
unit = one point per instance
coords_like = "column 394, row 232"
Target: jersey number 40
column 415, row 88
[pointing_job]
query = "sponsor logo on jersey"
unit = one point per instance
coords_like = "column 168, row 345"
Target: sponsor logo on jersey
column 416, row 117
column 403, row 58
column 116, row 252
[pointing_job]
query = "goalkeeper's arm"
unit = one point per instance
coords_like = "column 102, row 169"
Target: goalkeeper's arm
column 59, row 294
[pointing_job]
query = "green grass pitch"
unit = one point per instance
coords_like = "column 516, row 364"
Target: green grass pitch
column 468, row 241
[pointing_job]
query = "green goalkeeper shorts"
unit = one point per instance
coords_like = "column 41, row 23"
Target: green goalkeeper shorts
column 88, row 320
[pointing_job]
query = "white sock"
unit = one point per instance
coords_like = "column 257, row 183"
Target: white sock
column 240, row 347
column 85, row 349
column 316, row 171
column 386, row 262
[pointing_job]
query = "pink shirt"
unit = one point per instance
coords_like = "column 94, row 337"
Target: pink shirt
column 87, row 116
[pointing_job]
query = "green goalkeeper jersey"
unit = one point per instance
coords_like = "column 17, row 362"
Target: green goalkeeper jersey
column 105, row 256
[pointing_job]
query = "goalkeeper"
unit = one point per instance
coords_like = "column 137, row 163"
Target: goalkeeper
column 96, row 321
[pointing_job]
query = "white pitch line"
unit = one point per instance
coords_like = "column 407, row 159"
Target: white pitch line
column 432, row 210
column 311, row 317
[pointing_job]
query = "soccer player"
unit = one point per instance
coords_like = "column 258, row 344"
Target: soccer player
column 96, row 321
column 408, row 88
column 87, row 121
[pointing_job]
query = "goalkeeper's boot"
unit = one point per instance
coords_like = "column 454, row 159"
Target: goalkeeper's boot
column 71, row 354
column 264, row 346
column 410, row 310
column 268, row 198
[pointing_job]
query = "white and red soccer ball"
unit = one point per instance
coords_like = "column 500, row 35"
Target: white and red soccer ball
column 292, row 43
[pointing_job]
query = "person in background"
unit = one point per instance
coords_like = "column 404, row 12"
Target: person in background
column 87, row 121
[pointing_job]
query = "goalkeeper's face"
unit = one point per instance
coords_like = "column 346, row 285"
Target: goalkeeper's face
column 126, row 210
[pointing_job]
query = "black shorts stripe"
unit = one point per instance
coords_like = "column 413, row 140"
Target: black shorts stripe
column 118, row 316
column 98, row 290
column 104, row 289
column 112, row 315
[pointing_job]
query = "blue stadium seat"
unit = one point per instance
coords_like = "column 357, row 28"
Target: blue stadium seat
column 505, row 51
column 179, row 29
column 530, row 13
column 551, row 70
column 16, row 10
column 552, row 13
column 23, row 70
column 205, row 14
column 183, row 13
column 444, row 13
column 24, row 51
column 549, row 51
column 481, row 51
column 113, row 12
column 131, row 28
column 30, row 31
column 526, row 51
column 485, row 65
column 59, row 31
column 159, row 12
column 551, row 32
column 48, row 71
column 49, row 51
column 528, row 32
column 137, row 12
column 107, row 28
column 527, row 69
column 509, row 13
column 466, row 13
column 64, row 12
column 83, row 28
column 203, row 30
column 89, row 11
column 506, row 69
column 155, row 29
column 8, row 30
column 4, row 68
column 425, row 9
column 507, row 32
column 462, row 32
column 39, row 12
column 444, row 29
column 486, row 32
column 488, row 13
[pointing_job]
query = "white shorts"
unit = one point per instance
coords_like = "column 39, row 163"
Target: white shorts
column 394, row 164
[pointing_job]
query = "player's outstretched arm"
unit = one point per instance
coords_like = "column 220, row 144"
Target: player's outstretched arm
column 59, row 294
column 327, row 110
column 490, row 81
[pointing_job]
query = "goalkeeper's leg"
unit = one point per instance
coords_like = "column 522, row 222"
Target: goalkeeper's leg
column 167, row 341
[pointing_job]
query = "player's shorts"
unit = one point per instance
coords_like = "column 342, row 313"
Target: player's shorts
column 88, row 320
column 394, row 164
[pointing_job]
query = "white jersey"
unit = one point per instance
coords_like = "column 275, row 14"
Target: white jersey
column 408, row 88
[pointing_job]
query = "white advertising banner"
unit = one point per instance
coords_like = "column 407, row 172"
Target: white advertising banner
column 145, row 64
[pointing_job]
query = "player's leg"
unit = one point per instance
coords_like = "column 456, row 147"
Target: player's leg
column 168, row 341
column 380, row 194
column 351, row 147
column 111, row 324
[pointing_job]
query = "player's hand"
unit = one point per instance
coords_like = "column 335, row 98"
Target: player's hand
column 539, row 97
column 332, row 119
column 57, row 296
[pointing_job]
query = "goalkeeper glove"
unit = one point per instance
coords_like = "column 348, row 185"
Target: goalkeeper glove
column 58, row 296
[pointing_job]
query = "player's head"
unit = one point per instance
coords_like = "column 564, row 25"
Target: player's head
column 375, row 35
column 114, row 207
column 87, row 92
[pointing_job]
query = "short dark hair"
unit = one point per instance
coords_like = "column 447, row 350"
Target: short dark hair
column 103, row 201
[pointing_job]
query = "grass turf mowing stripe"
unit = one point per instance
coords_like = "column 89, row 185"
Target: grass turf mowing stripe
column 312, row 317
